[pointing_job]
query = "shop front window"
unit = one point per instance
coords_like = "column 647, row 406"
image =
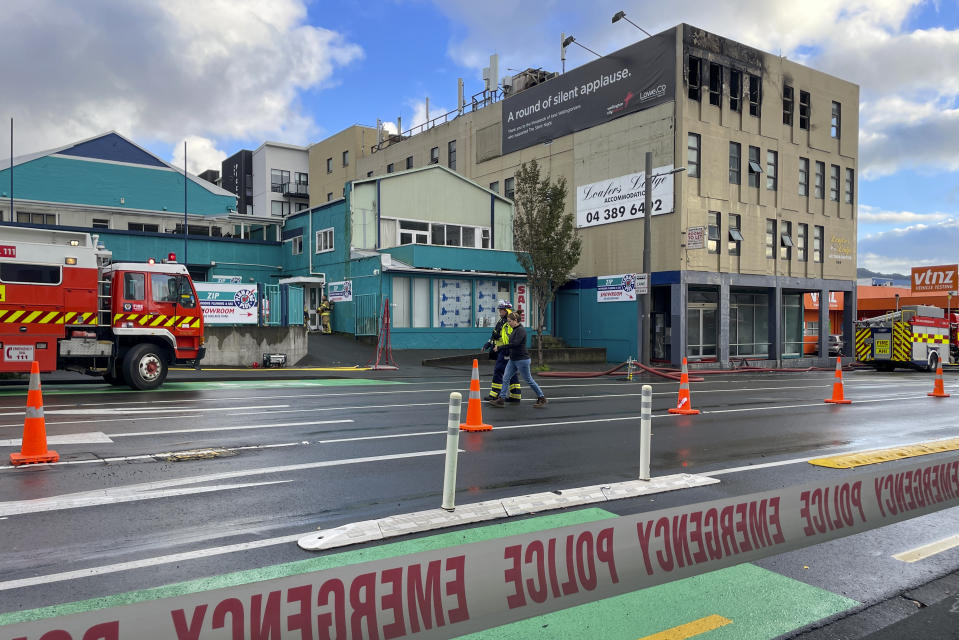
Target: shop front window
column 452, row 303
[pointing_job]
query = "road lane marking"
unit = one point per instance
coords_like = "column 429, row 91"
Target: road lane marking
column 874, row 456
column 19, row 425
column 690, row 629
column 95, row 437
column 146, row 562
column 238, row 428
column 130, row 492
column 928, row 550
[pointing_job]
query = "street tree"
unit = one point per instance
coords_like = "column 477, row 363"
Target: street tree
column 544, row 237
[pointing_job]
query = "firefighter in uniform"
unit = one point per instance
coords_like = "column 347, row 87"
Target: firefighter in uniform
column 326, row 309
column 498, row 340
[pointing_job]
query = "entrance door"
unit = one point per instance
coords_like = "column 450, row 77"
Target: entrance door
column 701, row 330
column 314, row 296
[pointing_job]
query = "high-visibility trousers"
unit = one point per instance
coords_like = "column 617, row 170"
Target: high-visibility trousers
column 515, row 392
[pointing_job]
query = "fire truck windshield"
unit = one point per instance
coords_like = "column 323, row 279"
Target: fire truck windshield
column 172, row 288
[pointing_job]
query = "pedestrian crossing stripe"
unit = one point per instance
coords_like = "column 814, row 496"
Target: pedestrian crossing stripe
column 45, row 316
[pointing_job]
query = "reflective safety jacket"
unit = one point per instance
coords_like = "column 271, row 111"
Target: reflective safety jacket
column 501, row 333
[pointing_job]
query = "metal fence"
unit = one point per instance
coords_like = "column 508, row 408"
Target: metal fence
column 294, row 305
column 272, row 314
column 367, row 314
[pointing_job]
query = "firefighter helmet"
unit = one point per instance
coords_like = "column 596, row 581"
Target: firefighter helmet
column 504, row 304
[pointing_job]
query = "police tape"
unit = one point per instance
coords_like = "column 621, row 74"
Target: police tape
column 449, row 592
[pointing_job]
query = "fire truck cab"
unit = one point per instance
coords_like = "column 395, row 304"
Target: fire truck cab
column 65, row 305
column 916, row 336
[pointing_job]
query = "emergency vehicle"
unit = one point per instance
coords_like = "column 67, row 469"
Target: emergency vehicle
column 64, row 304
column 917, row 336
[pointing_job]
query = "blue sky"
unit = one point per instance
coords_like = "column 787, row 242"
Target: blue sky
column 229, row 74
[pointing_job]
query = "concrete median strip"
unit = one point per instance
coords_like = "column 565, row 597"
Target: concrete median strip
column 432, row 519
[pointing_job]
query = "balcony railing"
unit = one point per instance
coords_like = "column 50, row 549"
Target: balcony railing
column 295, row 190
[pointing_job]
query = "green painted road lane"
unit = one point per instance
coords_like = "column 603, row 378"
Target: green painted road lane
column 761, row 604
column 91, row 389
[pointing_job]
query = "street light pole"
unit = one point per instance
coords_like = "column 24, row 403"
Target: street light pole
column 647, row 311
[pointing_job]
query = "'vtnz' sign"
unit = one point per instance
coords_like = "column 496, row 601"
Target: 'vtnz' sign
column 941, row 278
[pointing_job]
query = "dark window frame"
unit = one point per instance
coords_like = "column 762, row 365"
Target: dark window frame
column 713, row 227
column 805, row 103
column 695, row 150
column 735, row 163
column 804, row 176
column 735, row 234
column 715, row 84
column 755, row 95
column 788, row 104
column 735, row 90
column 694, row 68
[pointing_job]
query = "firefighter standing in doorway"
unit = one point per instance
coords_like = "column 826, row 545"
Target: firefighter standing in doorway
column 326, row 310
column 498, row 340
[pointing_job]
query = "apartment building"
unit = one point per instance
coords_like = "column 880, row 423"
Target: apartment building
column 333, row 162
column 755, row 170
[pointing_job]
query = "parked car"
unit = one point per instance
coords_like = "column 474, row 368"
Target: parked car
column 835, row 345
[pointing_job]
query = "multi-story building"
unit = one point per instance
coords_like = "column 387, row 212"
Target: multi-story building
column 237, row 177
column 761, row 211
column 281, row 182
column 333, row 162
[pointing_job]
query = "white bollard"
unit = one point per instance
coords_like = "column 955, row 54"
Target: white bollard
column 452, row 452
column 645, row 433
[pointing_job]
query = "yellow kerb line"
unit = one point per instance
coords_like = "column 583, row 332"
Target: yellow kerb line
column 862, row 458
column 690, row 629
column 927, row 550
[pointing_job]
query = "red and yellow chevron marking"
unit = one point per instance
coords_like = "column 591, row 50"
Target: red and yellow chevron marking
column 33, row 316
column 158, row 320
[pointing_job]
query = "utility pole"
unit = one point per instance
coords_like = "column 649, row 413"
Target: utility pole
column 185, row 256
column 647, row 310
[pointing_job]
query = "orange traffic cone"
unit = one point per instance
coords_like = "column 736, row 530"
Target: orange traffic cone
column 474, row 410
column 685, row 405
column 34, row 447
column 938, row 391
column 837, row 388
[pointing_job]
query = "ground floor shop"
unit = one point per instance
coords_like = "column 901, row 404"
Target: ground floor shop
column 707, row 317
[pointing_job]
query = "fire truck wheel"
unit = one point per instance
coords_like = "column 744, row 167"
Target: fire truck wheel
column 144, row 367
column 933, row 361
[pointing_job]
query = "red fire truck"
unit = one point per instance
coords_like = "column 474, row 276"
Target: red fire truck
column 64, row 304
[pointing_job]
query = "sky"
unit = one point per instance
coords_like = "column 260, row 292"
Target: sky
column 225, row 75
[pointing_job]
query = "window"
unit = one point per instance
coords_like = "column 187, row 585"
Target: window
column 735, row 90
column 438, row 234
column 695, row 77
column 494, row 186
column 451, row 154
column 772, row 159
column 36, row 218
column 834, row 183
column 279, row 208
column 820, row 177
column 400, row 314
column 804, row 110
column 139, row 226
column 278, row 178
column 712, row 232
column 804, row 177
column 770, row 238
column 835, row 124
column 488, row 292
column 469, row 237
column 296, row 245
column 785, row 240
column 453, row 236
column 31, row 273
column 434, row 155
column 754, row 168
column 802, row 232
column 787, row 104
column 134, row 286
column 735, row 162
column 409, row 162
column 300, row 206
column 850, row 175
column 346, row 158
column 755, row 95
column 329, row 165
column 168, row 288
column 817, row 244
column 452, row 303
column 735, row 236
column 692, row 155
column 389, row 168
column 715, row 84
column 329, row 196
column 301, row 178
column 99, row 223
column 508, row 188
column 486, row 238
column 414, row 232
column 324, row 240
column 369, row 174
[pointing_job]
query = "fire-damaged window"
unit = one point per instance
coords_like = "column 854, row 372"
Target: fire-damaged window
column 695, row 78
column 735, row 90
column 29, row 273
column 787, row 105
column 715, row 84
column 804, row 110
column 755, row 95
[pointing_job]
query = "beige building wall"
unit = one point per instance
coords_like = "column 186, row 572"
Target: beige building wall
column 356, row 142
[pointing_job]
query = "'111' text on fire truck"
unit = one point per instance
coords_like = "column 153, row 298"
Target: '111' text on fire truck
column 65, row 305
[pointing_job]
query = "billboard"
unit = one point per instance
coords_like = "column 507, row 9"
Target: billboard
column 624, row 198
column 618, row 288
column 223, row 303
column 634, row 78
column 940, row 278
column 340, row 291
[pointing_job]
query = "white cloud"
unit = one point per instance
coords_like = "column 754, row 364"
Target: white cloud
column 201, row 154
column 420, row 115
column 869, row 214
column 162, row 70
column 915, row 245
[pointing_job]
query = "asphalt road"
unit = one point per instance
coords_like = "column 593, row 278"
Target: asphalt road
column 157, row 488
